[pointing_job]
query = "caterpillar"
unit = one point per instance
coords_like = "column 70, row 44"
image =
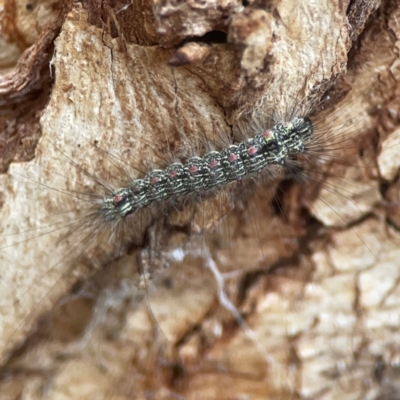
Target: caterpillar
column 216, row 169
column 123, row 302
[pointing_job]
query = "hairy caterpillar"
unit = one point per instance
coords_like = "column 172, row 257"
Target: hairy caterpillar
column 107, row 160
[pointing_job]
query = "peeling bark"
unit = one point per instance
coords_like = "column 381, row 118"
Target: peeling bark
column 315, row 278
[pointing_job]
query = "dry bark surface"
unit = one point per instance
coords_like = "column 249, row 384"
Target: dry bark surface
column 310, row 268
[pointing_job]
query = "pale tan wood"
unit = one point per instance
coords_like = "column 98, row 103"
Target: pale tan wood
column 321, row 299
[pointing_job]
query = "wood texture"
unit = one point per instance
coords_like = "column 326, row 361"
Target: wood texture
column 314, row 274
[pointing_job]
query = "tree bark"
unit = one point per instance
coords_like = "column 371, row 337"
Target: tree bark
column 311, row 266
